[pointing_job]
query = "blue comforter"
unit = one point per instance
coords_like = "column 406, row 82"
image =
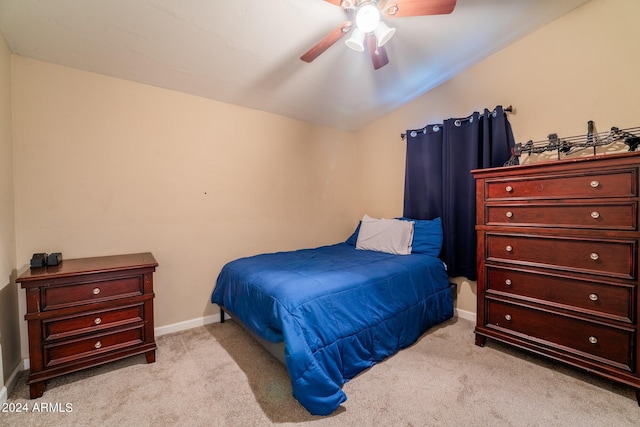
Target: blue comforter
column 339, row 310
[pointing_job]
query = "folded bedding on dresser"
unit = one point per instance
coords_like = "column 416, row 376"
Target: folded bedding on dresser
column 338, row 310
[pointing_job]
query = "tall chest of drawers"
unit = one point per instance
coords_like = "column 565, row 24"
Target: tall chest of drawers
column 86, row 312
column 558, row 261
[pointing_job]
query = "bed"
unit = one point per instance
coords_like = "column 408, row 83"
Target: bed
column 338, row 309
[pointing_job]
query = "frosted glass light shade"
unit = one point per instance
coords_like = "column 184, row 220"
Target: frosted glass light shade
column 383, row 33
column 356, row 40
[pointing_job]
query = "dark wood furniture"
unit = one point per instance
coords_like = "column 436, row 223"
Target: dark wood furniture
column 558, row 261
column 86, row 312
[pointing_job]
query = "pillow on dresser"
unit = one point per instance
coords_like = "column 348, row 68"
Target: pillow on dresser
column 393, row 236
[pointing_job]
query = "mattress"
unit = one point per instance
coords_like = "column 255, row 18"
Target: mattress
column 338, row 310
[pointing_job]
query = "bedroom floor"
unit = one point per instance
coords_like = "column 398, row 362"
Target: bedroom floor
column 217, row 375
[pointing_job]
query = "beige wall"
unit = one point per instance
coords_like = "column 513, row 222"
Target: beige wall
column 582, row 67
column 106, row 166
column 9, row 320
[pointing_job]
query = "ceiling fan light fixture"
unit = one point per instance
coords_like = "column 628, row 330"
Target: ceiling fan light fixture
column 364, row 20
column 383, row 33
column 367, row 18
column 356, row 40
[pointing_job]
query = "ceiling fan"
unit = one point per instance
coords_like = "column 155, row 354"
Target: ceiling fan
column 364, row 17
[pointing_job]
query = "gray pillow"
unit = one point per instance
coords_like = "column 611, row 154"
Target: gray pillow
column 393, row 236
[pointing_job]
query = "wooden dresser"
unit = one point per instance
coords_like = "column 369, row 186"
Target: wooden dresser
column 558, row 261
column 86, row 312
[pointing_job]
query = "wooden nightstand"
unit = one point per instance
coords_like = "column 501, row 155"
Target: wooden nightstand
column 86, row 312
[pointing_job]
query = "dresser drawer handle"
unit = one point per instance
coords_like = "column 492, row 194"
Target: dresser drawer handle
column 595, row 214
column 98, row 344
column 507, row 282
column 509, row 214
column 593, row 340
column 96, row 291
column 595, row 184
column 507, row 317
column 593, row 297
column 509, row 248
column 509, row 188
column 594, row 256
column 97, row 320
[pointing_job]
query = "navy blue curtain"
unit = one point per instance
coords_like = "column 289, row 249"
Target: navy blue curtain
column 438, row 180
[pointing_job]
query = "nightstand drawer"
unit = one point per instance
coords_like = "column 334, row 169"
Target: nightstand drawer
column 613, row 301
column 59, row 328
column 608, row 344
column 613, row 258
column 614, row 183
column 55, row 297
column 618, row 216
column 74, row 350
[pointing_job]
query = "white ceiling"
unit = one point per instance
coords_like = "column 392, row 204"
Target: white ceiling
column 246, row 52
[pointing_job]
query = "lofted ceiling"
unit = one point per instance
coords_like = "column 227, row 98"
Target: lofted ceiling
column 246, row 52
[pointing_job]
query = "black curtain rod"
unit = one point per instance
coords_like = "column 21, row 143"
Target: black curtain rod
column 508, row 109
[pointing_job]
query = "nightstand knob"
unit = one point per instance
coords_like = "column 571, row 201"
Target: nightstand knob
column 509, row 188
column 593, row 297
column 593, row 340
column 97, row 320
column 595, row 214
column 595, row 184
column 509, row 214
column 509, row 248
column 594, row 256
column 507, row 317
column 507, row 282
column 96, row 291
column 98, row 344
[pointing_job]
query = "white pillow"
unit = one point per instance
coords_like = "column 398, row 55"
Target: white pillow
column 385, row 235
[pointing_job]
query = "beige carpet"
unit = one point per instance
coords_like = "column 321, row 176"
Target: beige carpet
column 217, row 375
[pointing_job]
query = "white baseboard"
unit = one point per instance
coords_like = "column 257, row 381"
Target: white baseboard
column 182, row 326
column 164, row 330
column 187, row 324
column 11, row 382
column 214, row 318
column 464, row 314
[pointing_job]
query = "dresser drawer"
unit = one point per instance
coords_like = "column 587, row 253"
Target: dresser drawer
column 617, row 216
column 607, row 344
column 613, row 301
column 614, row 258
column 59, row 328
column 74, row 350
column 54, row 297
column 613, row 183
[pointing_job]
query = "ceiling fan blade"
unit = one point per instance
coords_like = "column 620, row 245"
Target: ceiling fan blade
column 401, row 8
column 326, row 42
column 378, row 54
column 336, row 2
